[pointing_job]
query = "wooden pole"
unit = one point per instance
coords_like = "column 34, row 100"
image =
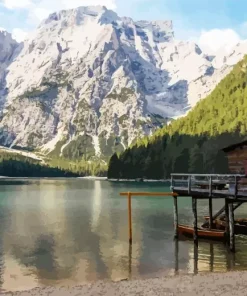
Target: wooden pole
column 210, row 204
column 130, row 217
column 236, row 187
column 130, row 261
column 195, row 259
column 175, row 217
column 189, row 185
column 231, row 222
column 227, row 230
column 194, row 207
column 176, row 256
column 210, row 213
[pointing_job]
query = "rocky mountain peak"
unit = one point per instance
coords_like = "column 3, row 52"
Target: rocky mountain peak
column 80, row 15
column 7, row 46
column 88, row 82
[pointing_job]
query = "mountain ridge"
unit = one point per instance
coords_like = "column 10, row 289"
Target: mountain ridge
column 87, row 82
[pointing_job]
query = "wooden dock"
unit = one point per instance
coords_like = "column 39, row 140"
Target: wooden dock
column 231, row 188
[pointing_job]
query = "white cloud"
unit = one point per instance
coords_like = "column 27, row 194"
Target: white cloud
column 41, row 13
column 40, row 9
column 13, row 4
column 43, row 8
column 19, row 35
column 66, row 4
column 218, row 39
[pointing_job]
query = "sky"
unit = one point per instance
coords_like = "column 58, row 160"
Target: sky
column 213, row 24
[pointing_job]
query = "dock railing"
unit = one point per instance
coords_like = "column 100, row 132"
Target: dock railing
column 209, row 184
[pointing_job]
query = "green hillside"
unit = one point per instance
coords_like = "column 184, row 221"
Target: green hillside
column 193, row 143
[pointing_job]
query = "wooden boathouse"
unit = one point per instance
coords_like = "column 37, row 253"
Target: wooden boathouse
column 231, row 187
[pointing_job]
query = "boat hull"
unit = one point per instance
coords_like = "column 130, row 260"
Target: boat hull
column 240, row 226
column 202, row 233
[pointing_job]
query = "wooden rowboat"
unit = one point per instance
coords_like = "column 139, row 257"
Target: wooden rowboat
column 240, row 226
column 202, row 233
column 238, row 220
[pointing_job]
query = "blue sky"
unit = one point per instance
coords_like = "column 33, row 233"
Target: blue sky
column 214, row 22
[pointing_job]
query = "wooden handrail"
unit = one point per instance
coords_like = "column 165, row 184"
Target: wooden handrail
column 208, row 175
column 148, row 194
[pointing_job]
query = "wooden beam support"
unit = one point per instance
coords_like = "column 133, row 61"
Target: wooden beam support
column 189, row 185
column 232, row 233
column 175, row 207
column 236, row 187
column 210, row 204
column 210, row 213
column 215, row 216
column 194, row 208
column 172, row 184
column 227, row 229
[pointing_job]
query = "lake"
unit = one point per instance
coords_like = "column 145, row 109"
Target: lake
column 66, row 232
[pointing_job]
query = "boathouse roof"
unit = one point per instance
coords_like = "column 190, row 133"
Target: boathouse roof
column 234, row 146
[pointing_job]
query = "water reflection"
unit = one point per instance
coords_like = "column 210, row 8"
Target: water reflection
column 70, row 232
column 208, row 257
column 176, row 244
column 96, row 205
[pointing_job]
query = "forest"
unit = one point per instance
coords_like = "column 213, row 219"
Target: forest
column 17, row 165
column 194, row 143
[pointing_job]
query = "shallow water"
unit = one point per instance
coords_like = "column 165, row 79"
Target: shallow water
column 71, row 231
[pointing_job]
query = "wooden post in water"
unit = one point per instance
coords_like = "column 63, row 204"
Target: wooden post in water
column 195, row 259
column 175, row 199
column 130, row 261
column 130, row 217
column 194, row 207
column 231, row 222
column 227, row 230
column 210, row 204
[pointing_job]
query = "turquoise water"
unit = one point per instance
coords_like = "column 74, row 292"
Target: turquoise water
column 70, row 231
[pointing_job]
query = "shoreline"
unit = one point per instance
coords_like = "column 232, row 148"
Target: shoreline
column 93, row 178
column 227, row 284
column 143, row 181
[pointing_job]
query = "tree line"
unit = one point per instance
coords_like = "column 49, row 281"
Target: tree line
column 17, row 165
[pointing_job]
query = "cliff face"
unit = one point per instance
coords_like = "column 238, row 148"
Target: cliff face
column 8, row 48
column 88, row 81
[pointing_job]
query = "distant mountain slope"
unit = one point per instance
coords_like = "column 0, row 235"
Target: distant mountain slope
column 193, row 143
column 87, row 82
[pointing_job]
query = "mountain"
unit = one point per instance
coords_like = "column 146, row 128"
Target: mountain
column 8, row 51
column 88, row 83
column 192, row 144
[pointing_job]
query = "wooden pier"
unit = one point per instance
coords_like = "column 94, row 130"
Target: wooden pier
column 231, row 188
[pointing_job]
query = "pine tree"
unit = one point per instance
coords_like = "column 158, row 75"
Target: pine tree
column 114, row 167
